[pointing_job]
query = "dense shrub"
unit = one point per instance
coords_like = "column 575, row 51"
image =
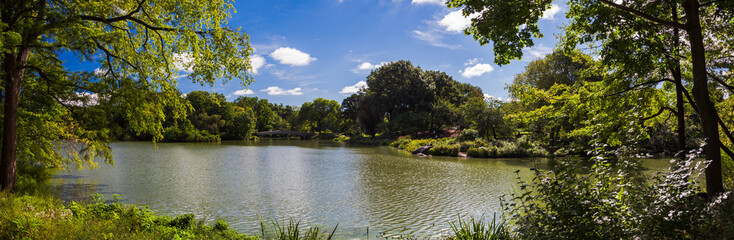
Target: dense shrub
column 177, row 134
column 325, row 135
column 444, row 150
column 468, row 135
column 367, row 140
column 466, row 145
column 616, row 201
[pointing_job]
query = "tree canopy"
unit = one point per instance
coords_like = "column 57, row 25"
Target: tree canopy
column 141, row 48
column 625, row 25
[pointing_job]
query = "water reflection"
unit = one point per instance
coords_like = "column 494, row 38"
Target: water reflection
column 317, row 182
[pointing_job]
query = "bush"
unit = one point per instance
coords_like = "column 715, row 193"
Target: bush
column 465, row 146
column 342, row 138
column 468, row 135
column 444, row 150
column 616, row 201
column 325, row 135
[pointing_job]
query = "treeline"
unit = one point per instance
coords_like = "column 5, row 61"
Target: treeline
column 562, row 103
column 209, row 117
column 400, row 99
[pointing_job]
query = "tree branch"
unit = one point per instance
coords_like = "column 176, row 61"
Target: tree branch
column 727, row 151
column 658, row 113
column 43, row 75
column 129, row 17
column 725, row 129
column 639, row 85
column 108, row 53
column 708, row 3
column 720, row 81
column 690, row 100
column 644, row 15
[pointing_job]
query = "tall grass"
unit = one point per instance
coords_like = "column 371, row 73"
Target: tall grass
column 478, row 230
column 293, row 231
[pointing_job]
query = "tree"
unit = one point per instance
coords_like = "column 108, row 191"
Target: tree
column 399, row 87
column 511, row 25
column 319, row 115
column 266, row 118
column 140, row 47
column 547, row 89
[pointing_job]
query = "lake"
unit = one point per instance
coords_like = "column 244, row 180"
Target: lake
column 319, row 183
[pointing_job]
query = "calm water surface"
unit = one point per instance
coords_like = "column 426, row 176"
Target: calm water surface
column 320, row 183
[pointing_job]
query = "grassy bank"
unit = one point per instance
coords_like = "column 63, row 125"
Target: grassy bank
column 42, row 217
column 479, row 148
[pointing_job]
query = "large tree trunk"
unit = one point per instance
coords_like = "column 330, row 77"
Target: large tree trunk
column 706, row 108
column 13, row 68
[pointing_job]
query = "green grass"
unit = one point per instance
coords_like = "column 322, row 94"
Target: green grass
column 43, row 217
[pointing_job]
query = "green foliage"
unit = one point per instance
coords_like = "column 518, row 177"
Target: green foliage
column 140, row 48
column 319, row 115
column 342, row 138
column 38, row 217
column 293, row 231
column 509, row 25
column 478, row 230
column 613, row 200
column 517, row 148
column 369, row 140
column 445, row 150
column 325, row 135
column 468, row 135
column 403, row 99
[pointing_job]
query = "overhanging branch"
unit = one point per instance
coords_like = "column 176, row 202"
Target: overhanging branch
column 643, row 15
column 639, row 85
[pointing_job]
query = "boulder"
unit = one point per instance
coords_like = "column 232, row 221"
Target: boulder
column 423, row 149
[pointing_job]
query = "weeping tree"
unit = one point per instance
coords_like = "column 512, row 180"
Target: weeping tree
column 55, row 116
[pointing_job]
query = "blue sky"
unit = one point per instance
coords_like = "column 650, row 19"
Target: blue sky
column 325, row 48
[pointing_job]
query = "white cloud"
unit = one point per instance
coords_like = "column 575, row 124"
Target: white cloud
column 472, row 61
column 477, row 70
column 256, row 61
column 370, row 66
column 354, row 88
column 433, row 38
column 551, row 13
column 182, row 62
column 456, row 22
column 280, row 91
column 538, row 51
column 488, row 97
column 100, row 72
column 437, row 2
column 244, row 92
column 292, row 56
column 83, row 99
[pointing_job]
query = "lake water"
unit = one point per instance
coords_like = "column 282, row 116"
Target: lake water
column 319, row 183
